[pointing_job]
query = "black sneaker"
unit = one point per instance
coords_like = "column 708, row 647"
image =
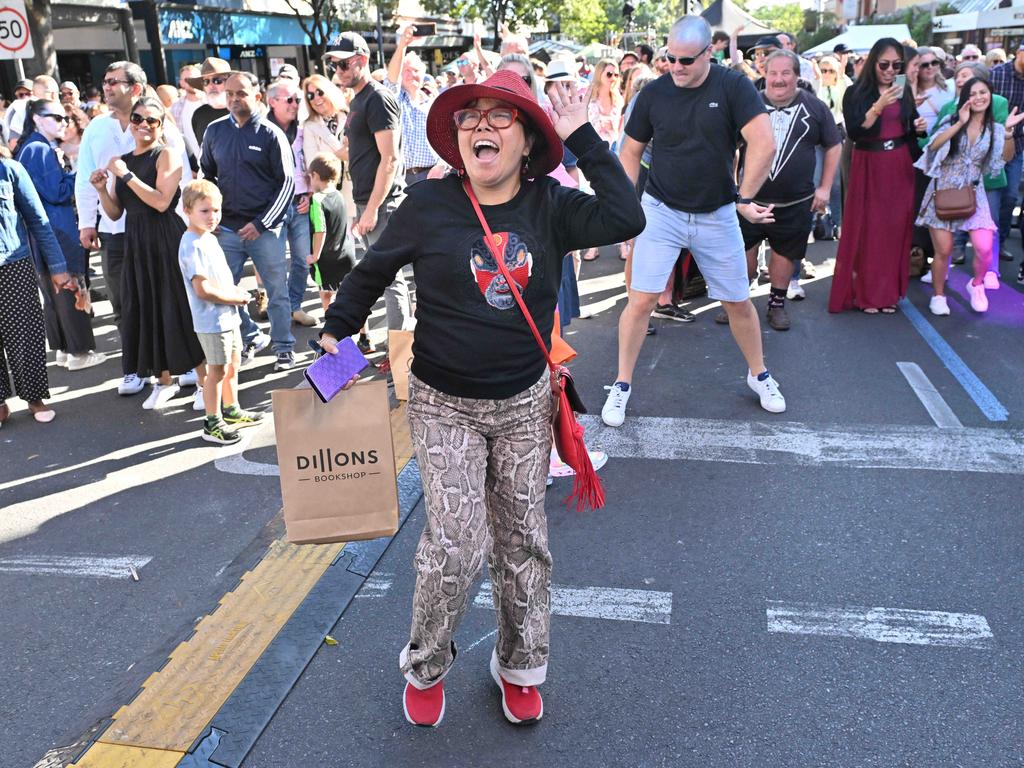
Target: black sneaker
column 248, row 355
column 285, row 361
column 365, row 345
column 672, row 312
column 220, row 434
column 1020, row 274
column 238, row 418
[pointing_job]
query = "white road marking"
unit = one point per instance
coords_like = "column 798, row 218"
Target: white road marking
column 235, row 463
column 883, row 625
column 77, row 565
column 996, row 451
column 475, row 643
column 929, row 396
column 376, row 585
column 643, row 605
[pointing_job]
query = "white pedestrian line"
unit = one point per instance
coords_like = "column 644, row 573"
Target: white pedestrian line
column 643, row 605
column 376, row 585
column 76, row 565
column 883, row 625
column 971, row 449
column 929, row 396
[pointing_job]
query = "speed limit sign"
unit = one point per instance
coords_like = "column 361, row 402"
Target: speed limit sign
column 15, row 40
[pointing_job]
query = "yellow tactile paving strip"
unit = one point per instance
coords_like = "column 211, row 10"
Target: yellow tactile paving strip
column 178, row 702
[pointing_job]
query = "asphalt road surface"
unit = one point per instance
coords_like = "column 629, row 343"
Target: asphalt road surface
column 835, row 586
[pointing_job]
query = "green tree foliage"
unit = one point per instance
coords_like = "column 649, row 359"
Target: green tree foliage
column 585, row 21
column 785, row 18
column 496, row 13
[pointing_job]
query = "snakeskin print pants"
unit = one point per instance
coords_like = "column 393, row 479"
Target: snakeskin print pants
column 484, row 465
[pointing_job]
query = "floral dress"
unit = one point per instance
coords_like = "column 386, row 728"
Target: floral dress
column 984, row 158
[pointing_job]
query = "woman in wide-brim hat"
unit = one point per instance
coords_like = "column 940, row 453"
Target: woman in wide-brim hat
column 480, row 401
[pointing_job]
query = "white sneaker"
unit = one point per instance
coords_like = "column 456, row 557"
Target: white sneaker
column 614, row 411
column 795, row 292
column 991, row 281
column 979, row 301
column 160, row 396
column 190, row 379
column 62, row 358
column 86, row 360
column 130, row 385
column 768, row 390
column 938, row 305
column 198, row 403
column 261, row 342
column 927, row 277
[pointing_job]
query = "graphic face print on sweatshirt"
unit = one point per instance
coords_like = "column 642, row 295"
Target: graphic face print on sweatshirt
column 490, row 281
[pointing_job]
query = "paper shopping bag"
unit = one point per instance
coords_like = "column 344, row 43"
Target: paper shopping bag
column 400, row 356
column 337, row 464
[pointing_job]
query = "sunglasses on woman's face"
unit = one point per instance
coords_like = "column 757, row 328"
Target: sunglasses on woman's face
column 970, row 57
column 59, row 118
column 827, row 71
column 684, row 60
column 897, row 66
column 928, row 64
column 138, row 119
column 497, row 117
column 611, row 75
column 310, row 95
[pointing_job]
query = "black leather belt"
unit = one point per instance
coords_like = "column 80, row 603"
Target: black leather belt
column 881, row 146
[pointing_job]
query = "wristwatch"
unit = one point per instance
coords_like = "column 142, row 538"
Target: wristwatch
column 128, row 177
column 743, row 200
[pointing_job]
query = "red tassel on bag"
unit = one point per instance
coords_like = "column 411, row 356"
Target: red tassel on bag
column 587, row 490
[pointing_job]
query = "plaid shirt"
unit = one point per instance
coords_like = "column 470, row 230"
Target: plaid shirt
column 1010, row 85
column 416, row 150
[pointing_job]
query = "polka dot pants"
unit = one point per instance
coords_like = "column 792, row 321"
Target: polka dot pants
column 22, row 333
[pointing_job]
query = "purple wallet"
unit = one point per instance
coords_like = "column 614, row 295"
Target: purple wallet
column 329, row 373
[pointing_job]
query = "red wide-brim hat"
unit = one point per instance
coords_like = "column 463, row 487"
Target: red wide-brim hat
column 504, row 86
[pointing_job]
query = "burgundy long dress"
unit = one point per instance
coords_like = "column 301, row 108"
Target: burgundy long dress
column 873, row 262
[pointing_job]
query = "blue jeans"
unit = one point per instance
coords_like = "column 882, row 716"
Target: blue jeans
column 296, row 227
column 267, row 254
column 1008, row 199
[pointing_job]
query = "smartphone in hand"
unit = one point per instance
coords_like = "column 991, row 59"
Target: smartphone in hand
column 424, row 30
column 329, row 373
column 901, row 83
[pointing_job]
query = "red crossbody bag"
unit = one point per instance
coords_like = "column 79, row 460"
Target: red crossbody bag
column 568, row 432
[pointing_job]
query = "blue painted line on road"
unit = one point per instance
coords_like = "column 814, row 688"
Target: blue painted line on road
column 979, row 393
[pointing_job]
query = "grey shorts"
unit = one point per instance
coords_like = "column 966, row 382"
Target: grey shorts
column 713, row 238
column 221, row 348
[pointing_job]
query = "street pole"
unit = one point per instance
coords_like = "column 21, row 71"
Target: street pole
column 156, row 45
column 380, row 36
column 131, row 45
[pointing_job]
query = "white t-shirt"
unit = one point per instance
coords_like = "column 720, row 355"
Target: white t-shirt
column 936, row 99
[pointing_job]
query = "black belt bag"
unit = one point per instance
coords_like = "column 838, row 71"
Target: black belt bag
column 881, row 146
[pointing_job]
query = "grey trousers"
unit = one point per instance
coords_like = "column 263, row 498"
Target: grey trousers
column 396, row 295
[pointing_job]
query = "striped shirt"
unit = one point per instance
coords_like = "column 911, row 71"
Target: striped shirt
column 416, row 150
column 1009, row 84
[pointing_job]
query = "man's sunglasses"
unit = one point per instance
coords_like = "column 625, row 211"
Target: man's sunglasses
column 59, row 118
column 291, row 100
column 971, row 57
column 111, row 82
column 310, row 95
column 218, row 80
column 337, row 65
column 685, row 60
column 497, row 117
column 138, row 119
column 897, row 66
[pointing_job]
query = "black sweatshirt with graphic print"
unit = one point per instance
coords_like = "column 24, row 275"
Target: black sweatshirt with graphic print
column 471, row 339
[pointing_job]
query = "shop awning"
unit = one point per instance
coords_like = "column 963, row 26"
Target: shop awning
column 955, row 22
column 861, row 38
column 185, row 27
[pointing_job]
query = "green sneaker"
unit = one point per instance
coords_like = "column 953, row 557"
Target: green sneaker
column 238, row 418
column 218, row 432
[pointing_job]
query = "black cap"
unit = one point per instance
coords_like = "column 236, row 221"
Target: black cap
column 347, row 44
column 842, row 48
column 768, row 41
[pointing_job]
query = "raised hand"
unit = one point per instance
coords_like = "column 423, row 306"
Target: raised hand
column 571, row 109
column 1014, row 119
column 98, row 179
column 964, row 113
column 117, row 167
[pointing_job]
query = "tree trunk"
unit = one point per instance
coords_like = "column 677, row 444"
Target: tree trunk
column 39, row 22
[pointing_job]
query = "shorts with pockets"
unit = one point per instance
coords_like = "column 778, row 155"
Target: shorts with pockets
column 713, row 238
column 787, row 235
column 221, row 348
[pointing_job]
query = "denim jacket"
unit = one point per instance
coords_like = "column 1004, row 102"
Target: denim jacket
column 20, row 205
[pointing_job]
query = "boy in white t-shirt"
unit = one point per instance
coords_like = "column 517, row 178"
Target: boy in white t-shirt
column 214, row 299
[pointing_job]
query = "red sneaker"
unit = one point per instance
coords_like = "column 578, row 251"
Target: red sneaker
column 426, row 707
column 521, row 704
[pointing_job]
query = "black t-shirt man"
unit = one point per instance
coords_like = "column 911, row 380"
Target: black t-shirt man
column 202, row 117
column 373, row 109
column 695, row 132
column 799, row 128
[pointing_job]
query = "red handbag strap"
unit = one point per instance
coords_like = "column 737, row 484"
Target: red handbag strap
column 499, row 257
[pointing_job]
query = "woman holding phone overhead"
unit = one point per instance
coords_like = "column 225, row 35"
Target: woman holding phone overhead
column 480, row 402
column 872, row 264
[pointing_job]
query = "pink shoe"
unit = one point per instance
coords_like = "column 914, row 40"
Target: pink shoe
column 522, row 704
column 424, row 707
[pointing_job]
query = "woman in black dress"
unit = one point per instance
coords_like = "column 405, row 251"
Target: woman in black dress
column 158, row 339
